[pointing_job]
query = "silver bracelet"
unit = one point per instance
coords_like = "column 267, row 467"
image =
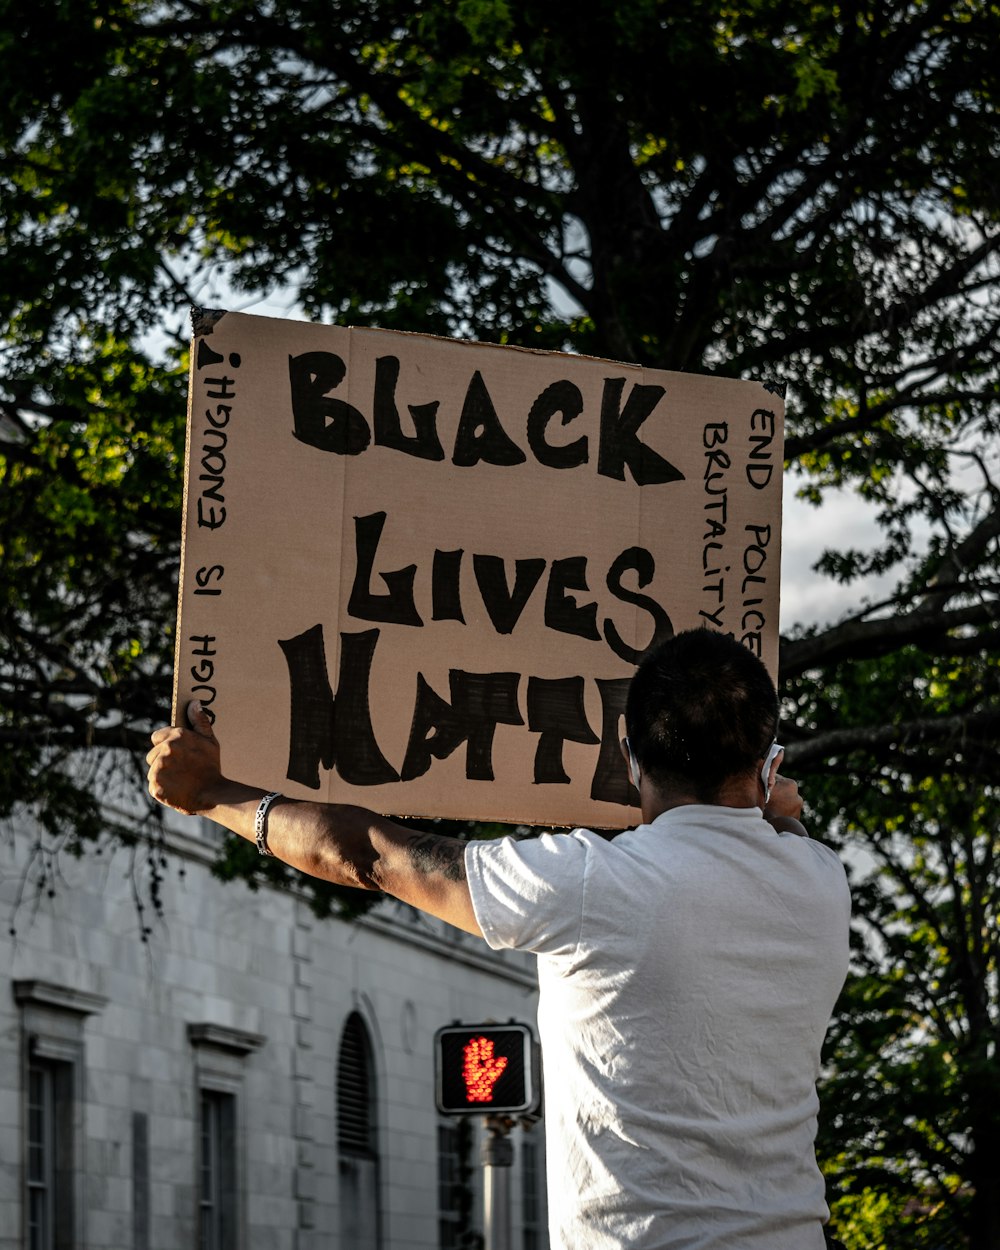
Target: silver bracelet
column 260, row 822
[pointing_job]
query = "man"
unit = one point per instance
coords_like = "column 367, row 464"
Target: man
column 687, row 968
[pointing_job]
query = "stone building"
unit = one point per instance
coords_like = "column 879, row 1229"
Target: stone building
column 248, row 1078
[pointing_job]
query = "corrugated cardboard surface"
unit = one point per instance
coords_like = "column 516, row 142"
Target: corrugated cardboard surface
column 436, row 612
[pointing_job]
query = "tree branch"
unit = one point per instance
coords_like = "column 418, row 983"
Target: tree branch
column 891, row 742
column 867, row 639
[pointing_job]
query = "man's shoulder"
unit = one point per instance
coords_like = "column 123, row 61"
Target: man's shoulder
column 548, row 846
column 528, row 892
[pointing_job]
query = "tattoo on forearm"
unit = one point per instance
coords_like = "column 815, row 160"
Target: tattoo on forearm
column 430, row 853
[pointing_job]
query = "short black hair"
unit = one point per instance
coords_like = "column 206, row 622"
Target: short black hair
column 701, row 708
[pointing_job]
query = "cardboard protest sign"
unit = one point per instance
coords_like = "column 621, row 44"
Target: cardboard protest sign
column 418, row 573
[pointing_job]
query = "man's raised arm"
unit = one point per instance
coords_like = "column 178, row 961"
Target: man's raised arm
column 344, row 844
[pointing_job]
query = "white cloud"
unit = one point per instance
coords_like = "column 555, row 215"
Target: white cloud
column 841, row 521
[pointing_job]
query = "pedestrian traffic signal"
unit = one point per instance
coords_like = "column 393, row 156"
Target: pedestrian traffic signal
column 483, row 1069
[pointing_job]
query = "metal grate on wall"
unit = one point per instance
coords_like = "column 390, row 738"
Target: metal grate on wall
column 355, row 1091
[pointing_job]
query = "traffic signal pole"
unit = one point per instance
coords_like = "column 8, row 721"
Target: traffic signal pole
column 490, row 1070
column 498, row 1158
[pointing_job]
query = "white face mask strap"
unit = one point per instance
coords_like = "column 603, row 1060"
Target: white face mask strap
column 635, row 772
column 765, row 772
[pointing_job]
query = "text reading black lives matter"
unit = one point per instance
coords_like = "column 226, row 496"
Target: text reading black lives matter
column 334, row 729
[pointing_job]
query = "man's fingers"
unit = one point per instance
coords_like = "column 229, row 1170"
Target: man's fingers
column 161, row 736
column 785, row 798
column 184, row 763
column 199, row 720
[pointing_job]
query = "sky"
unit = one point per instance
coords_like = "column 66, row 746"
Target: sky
column 843, row 520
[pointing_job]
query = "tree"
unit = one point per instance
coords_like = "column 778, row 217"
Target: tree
column 912, row 1135
column 791, row 189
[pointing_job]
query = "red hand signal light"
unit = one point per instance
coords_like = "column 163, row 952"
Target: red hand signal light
column 486, row 1068
column 481, row 1069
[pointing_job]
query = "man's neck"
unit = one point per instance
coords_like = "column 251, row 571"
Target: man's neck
column 734, row 792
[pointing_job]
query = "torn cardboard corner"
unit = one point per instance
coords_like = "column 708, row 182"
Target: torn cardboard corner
column 417, row 573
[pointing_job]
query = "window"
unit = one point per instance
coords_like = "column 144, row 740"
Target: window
column 217, row 1212
column 140, row 1180
column 457, row 1190
column 535, row 1236
column 357, row 1141
column 449, row 1215
column 52, row 1021
column 41, row 1157
column 50, row 1129
column 220, row 1057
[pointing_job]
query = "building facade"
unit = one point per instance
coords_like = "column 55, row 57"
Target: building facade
column 247, row 1078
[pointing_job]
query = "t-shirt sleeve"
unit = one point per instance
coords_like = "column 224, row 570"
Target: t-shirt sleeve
column 529, row 894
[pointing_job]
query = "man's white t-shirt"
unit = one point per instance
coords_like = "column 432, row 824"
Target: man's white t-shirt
column 687, row 971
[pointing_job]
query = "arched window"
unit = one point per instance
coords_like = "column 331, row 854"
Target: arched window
column 357, row 1138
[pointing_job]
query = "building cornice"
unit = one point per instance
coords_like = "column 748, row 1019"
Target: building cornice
column 59, row 997
column 221, row 1037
